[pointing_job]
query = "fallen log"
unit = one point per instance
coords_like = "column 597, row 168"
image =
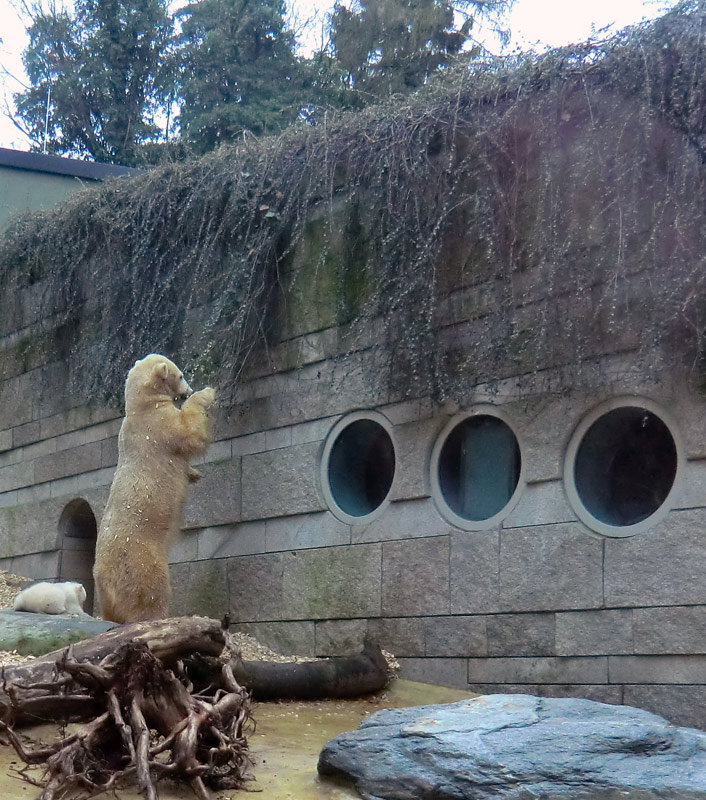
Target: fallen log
column 46, row 690
column 352, row 676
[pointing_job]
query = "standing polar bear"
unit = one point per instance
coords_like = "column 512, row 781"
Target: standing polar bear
column 156, row 441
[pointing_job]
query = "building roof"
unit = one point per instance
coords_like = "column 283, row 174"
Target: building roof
column 58, row 165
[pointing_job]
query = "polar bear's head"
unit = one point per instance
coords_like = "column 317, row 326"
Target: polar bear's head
column 155, row 375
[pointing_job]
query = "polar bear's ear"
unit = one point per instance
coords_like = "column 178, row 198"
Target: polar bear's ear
column 161, row 370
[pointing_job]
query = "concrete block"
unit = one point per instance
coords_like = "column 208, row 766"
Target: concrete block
column 278, row 438
column 59, row 423
column 109, row 452
column 287, row 638
column 64, row 487
column 544, row 425
column 245, row 445
column 474, row 572
column 219, row 451
column 333, row 582
column 255, row 587
column 30, row 528
column 315, row 431
column 24, row 434
column 415, row 577
column 73, row 461
column 402, row 636
column 99, row 477
column 455, row 637
column 226, row 541
column 215, row 498
column 33, row 494
column 16, row 476
column 340, row 637
column 5, row 440
column 183, row 547
column 692, row 492
column 657, row 669
column 438, row 671
column 521, row 635
column 407, row 519
column 11, row 457
column 10, row 498
column 587, row 633
column 281, row 482
column 413, row 444
column 320, row 529
column 42, row 448
column 600, row 693
column 401, row 413
column 539, row 670
column 306, row 584
column 540, row 504
column 550, row 567
column 199, row 588
column 681, row 705
column 37, row 566
column 688, row 408
column 664, row 565
column 15, row 400
column 675, row 630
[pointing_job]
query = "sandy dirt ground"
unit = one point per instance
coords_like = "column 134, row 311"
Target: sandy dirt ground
column 284, row 747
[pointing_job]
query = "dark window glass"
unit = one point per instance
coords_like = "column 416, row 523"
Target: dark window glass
column 361, row 467
column 625, row 466
column 479, row 467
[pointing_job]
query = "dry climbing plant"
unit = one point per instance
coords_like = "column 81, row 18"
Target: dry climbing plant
column 544, row 203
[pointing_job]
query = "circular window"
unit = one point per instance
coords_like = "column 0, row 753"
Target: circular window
column 621, row 467
column 358, row 466
column 476, row 469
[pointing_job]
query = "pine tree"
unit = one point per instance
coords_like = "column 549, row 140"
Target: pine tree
column 238, row 71
column 94, row 78
column 387, row 47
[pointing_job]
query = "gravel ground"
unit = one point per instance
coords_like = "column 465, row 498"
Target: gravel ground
column 10, row 585
column 250, row 648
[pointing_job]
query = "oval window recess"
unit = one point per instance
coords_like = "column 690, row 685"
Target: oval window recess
column 358, row 467
column 477, row 473
column 622, row 467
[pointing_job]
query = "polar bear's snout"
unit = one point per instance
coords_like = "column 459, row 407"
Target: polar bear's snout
column 184, row 389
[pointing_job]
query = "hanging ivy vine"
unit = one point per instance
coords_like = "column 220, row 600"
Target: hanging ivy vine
column 531, row 214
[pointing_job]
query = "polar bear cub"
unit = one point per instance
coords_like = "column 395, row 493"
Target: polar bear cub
column 53, row 598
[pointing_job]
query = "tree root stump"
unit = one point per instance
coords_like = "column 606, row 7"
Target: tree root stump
column 163, row 699
column 151, row 726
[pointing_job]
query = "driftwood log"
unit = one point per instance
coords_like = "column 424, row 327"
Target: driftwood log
column 169, row 698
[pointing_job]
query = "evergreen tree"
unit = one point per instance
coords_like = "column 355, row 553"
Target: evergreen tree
column 387, row 47
column 238, row 71
column 94, row 78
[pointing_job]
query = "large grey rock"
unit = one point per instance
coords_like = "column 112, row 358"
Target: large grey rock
column 37, row 634
column 517, row 747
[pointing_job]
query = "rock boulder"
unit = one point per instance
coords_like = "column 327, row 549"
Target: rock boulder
column 516, row 747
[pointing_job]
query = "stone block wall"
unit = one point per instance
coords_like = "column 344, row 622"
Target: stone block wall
column 538, row 603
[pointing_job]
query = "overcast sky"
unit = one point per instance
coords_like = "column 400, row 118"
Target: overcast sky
column 534, row 24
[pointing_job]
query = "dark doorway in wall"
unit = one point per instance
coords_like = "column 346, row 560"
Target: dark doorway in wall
column 361, row 467
column 625, row 466
column 78, row 530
